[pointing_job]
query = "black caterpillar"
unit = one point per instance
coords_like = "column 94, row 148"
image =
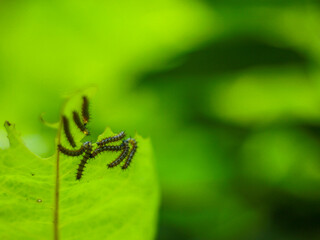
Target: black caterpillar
column 128, row 147
column 78, row 122
column 107, row 140
column 67, row 131
column 122, row 156
column 85, row 110
column 87, row 155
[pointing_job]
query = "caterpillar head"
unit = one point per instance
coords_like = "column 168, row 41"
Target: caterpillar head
column 87, row 145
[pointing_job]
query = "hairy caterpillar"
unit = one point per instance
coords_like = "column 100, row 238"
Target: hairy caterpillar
column 87, row 155
column 112, row 139
column 107, row 148
column 85, row 110
column 128, row 147
column 69, row 152
column 122, row 156
column 132, row 152
column 66, row 128
column 77, row 120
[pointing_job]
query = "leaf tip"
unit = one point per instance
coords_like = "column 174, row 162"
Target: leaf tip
column 7, row 124
column 13, row 134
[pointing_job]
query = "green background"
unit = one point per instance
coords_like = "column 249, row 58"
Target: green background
column 228, row 92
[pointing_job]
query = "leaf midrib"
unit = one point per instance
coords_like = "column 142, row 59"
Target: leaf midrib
column 57, row 182
column 57, row 187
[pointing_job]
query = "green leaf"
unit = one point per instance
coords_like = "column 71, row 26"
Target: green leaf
column 104, row 204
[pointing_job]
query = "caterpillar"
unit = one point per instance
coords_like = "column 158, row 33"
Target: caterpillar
column 131, row 154
column 127, row 148
column 122, row 156
column 66, row 128
column 107, row 148
column 77, row 120
column 69, row 152
column 112, row 139
column 85, row 110
column 87, row 155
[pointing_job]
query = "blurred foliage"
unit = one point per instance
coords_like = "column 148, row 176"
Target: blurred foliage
column 227, row 90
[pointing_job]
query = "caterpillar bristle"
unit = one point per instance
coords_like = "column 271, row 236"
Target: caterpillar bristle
column 67, row 131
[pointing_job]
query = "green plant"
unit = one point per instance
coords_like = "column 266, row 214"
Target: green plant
column 41, row 199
